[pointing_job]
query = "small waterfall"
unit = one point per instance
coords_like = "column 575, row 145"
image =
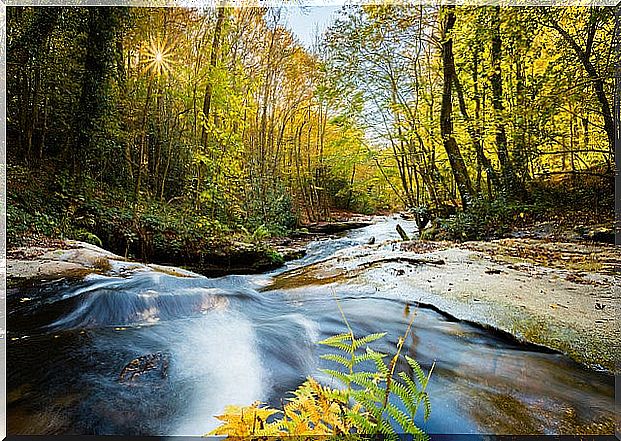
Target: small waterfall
column 117, row 306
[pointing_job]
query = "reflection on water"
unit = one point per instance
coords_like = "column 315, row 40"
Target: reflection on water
column 230, row 343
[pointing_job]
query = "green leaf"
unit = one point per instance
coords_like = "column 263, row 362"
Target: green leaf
column 358, row 343
column 338, row 359
column 418, row 371
column 342, row 346
column 406, row 423
column 379, row 362
column 344, row 378
column 336, row 338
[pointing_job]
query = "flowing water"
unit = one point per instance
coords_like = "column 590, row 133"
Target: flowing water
column 233, row 340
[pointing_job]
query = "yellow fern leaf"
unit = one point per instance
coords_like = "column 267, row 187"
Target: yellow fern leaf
column 246, row 421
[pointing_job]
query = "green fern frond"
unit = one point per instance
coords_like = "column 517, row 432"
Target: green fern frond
column 338, row 375
column 362, row 423
column 380, row 365
column 336, row 395
column 357, row 359
column 376, row 354
column 409, row 384
column 336, row 338
column 418, row 371
column 358, row 343
column 386, row 429
column 367, row 380
column 366, row 399
column 405, row 422
column 348, row 349
column 426, row 405
column 410, row 401
column 338, row 359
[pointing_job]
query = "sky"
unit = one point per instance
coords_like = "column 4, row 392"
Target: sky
column 306, row 21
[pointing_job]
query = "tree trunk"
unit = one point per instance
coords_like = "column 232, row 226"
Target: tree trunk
column 458, row 166
column 511, row 185
column 584, row 56
column 215, row 45
column 142, row 146
column 474, row 136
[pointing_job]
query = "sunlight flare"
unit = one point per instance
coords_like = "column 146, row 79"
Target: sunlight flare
column 158, row 57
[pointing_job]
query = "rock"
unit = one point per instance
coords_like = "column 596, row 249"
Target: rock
column 71, row 259
column 477, row 283
column 291, row 253
column 155, row 362
column 44, row 270
column 233, row 258
column 172, row 271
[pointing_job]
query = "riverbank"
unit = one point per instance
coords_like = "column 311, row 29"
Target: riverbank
column 72, row 260
column 46, row 203
column 566, row 299
column 44, row 258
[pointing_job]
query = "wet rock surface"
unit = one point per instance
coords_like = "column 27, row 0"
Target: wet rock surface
column 149, row 364
column 566, row 306
column 72, row 260
column 64, row 259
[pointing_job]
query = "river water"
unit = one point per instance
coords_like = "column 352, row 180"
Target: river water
column 236, row 339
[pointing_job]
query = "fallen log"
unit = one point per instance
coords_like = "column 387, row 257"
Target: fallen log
column 336, row 227
column 406, row 260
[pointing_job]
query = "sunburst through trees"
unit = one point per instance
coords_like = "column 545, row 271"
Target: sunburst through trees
column 159, row 57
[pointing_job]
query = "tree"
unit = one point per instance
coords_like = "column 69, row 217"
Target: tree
column 458, row 166
column 511, row 185
column 599, row 18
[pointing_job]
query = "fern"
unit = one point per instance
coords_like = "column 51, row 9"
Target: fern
column 363, row 408
column 358, row 343
column 374, row 389
column 338, row 359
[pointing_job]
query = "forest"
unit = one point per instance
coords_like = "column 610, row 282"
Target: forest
column 403, row 221
column 150, row 130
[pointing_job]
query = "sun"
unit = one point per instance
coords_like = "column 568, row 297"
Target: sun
column 159, row 58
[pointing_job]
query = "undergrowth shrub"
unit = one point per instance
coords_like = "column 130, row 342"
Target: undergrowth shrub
column 485, row 219
column 49, row 203
column 570, row 199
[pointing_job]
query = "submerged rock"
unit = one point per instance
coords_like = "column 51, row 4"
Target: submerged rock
column 155, row 363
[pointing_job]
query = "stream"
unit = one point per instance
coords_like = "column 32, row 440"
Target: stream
column 237, row 339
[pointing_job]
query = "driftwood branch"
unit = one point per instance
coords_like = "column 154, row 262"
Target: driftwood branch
column 401, row 259
column 402, row 233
